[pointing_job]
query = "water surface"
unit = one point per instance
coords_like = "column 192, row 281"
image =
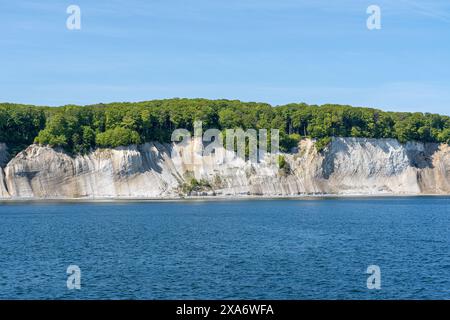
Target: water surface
column 277, row 249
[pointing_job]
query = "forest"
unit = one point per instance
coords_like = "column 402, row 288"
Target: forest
column 79, row 129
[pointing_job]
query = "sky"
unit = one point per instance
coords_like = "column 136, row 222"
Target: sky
column 275, row 51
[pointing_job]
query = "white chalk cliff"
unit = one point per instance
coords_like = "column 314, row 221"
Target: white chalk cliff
column 348, row 166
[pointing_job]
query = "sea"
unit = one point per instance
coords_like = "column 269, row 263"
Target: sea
column 311, row 248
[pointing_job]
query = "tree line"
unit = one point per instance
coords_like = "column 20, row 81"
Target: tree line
column 79, row 129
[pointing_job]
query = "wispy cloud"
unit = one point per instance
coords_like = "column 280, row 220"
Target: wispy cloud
column 429, row 9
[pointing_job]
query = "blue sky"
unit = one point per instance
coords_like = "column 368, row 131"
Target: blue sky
column 275, row 51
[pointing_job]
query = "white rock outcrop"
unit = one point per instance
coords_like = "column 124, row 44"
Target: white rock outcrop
column 349, row 166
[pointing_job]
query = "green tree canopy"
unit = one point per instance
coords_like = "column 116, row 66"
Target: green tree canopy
column 79, row 129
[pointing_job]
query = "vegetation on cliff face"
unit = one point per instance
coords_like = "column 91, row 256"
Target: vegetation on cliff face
column 77, row 129
column 283, row 165
column 194, row 185
column 322, row 143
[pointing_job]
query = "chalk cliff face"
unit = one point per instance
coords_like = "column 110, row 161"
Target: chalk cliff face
column 154, row 170
column 3, row 159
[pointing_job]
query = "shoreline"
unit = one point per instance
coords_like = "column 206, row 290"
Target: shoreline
column 218, row 198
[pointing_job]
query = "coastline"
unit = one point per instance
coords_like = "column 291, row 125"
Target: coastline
column 220, row 198
column 350, row 167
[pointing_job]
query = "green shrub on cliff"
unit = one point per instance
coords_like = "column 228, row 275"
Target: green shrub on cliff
column 195, row 185
column 322, row 143
column 283, row 165
column 444, row 136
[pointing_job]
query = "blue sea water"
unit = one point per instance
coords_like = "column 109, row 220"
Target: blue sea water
column 261, row 249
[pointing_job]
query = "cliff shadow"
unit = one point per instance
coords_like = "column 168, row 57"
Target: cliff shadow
column 151, row 159
column 329, row 157
column 422, row 159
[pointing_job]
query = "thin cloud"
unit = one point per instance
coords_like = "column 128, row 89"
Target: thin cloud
column 428, row 10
